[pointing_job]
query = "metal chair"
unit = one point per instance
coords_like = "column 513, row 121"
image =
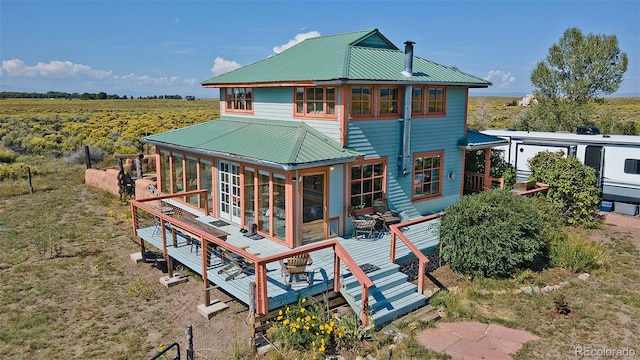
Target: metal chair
column 362, row 225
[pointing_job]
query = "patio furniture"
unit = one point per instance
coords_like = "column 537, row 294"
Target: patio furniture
column 237, row 264
column 295, row 267
column 362, row 225
column 388, row 216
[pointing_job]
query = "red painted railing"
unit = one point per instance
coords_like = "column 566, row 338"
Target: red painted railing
column 262, row 306
column 422, row 258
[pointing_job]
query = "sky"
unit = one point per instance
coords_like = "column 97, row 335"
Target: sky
column 144, row 48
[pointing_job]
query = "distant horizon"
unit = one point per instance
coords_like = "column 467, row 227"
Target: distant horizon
column 138, row 48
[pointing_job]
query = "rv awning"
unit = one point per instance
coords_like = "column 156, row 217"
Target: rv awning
column 475, row 141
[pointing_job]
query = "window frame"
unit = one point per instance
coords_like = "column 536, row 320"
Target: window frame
column 380, row 102
column 440, row 180
column 377, row 161
column 305, row 101
column 629, row 165
column 232, row 102
column 421, row 101
column 442, row 102
column 371, row 102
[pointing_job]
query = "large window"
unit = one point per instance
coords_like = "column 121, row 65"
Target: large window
column 427, row 175
column 165, row 174
column 315, row 101
column 436, row 101
column 361, row 101
column 192, row 179
column 366, row 183
column 388, row 101
column 178, row 173
column 239, row 99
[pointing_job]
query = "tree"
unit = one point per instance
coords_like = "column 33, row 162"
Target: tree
column 577, row 70
column 572, row 186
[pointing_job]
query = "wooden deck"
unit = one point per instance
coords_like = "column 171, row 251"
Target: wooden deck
column 374, row 252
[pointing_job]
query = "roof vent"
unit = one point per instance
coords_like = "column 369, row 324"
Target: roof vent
column 588, row 130
column 408, row 58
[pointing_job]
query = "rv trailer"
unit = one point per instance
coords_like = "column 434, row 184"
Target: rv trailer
column 616, row 159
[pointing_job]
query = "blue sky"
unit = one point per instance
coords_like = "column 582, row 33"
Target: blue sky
column 168, row 47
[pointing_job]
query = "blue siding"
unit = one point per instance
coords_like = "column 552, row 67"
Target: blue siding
column 381, row 138
column 273, row 103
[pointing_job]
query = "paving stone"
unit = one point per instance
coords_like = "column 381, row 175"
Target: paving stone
column 470, row 330
column 526, row 289
column 584, row 276
column 547, row 289
column 437, row 338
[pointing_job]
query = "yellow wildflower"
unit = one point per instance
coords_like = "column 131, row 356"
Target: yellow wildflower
column 304, row 300
column 302, row 310
column 286, row 321
column 293, row 329
column 280, row 312
column 307, row 319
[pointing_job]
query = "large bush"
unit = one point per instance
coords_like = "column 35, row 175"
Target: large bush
column 493, row 234
column 572, row 186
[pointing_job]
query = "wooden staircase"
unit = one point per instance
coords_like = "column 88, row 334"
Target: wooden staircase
column 391, row 296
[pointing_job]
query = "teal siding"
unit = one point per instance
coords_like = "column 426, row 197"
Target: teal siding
column 336, row 192
column 381, row 138
column 273, row 103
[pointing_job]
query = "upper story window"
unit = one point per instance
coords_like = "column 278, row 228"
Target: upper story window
column 366, row 183
column 362, row 101
column 315, row 101
column 417, row 100
column 632, row 166
column 239, row 99
column 388, row 101
column 436, row 101
column 427, row 175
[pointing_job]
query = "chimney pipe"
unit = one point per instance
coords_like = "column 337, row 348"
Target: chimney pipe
column 408, row 58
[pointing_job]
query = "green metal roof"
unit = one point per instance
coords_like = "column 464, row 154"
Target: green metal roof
column 477, row 140
column 360, row 55
column 283, row 144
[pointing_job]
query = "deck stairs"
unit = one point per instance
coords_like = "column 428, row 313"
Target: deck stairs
column 390, row 297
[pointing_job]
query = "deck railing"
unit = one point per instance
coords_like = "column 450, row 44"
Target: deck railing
column 260, row 263
column 422, row 258
column 475, row 183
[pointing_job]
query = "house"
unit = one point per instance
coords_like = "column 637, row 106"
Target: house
column 332, row 123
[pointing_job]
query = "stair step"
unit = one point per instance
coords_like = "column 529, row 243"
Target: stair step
column 381, row 284
column 400, row 308
column 387, row 297
column 383, row 272
column 386, row 288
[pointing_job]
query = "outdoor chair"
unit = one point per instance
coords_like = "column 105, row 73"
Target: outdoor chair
column 236, row 264
column 363, row 225
column 388, row 216
column 295, row 268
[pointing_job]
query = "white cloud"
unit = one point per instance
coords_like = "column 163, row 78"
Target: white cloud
column 298, row 38
column 500, row 78
column 55, row 69
column 68, row 76
column 221, row 66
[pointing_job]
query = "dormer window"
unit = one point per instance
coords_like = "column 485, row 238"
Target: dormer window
column 239, row 100
column 315, row 102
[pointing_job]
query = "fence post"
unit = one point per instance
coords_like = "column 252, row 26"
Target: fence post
column 87, row 156
column 29, row 179
column 189, row 333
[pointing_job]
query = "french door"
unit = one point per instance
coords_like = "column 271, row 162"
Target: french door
column 229, row 191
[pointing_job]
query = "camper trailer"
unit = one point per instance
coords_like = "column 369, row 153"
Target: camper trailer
column 616, row 159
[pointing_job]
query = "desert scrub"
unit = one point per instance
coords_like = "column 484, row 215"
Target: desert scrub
column 575, row 252
column 307, row 325
column 16, row 171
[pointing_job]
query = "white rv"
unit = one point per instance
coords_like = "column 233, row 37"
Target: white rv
column 616, row 159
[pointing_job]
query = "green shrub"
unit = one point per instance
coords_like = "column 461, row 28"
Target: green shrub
column 572, row 186
column 16, row 171
column 576, row 253
column 7, row 157
column 493, row 234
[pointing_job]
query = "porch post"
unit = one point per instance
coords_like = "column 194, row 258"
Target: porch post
column 392, row 251
column 336, row 271
column 205, row 264
column 487, row 168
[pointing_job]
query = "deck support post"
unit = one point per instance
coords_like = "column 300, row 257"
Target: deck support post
column 207, row 289
column 336, row 271
column 487, row 169
column 252, row 316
